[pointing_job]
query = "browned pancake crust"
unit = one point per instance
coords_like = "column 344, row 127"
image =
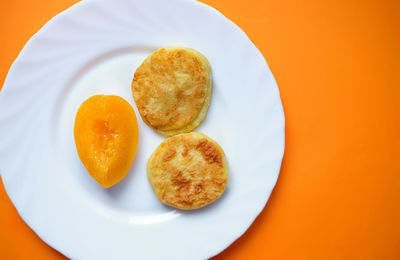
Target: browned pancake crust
column 172, row 89
column 188, row 171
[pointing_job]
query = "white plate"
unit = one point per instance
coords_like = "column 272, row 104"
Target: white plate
column 94, row 47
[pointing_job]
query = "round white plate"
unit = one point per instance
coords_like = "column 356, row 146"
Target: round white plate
column 94, row 48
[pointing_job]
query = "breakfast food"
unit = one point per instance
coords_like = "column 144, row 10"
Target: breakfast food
column 172, row 90
column 188, row 171
column 106, row 137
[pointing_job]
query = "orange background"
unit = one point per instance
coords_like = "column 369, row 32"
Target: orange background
column 337, row 65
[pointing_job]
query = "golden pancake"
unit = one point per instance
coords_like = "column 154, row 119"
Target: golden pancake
column 172, row 90
column 188, row 171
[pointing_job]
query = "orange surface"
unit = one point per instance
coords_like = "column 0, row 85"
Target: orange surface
column 337, row 64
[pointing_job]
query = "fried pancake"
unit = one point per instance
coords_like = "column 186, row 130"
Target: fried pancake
column 172, row 90
column 188, row 171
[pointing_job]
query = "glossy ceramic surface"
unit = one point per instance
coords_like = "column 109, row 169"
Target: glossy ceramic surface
column 94, row 48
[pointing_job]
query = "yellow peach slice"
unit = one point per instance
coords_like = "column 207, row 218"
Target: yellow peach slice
column 106, row 137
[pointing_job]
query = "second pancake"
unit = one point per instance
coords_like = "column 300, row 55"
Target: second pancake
column 172, row 90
